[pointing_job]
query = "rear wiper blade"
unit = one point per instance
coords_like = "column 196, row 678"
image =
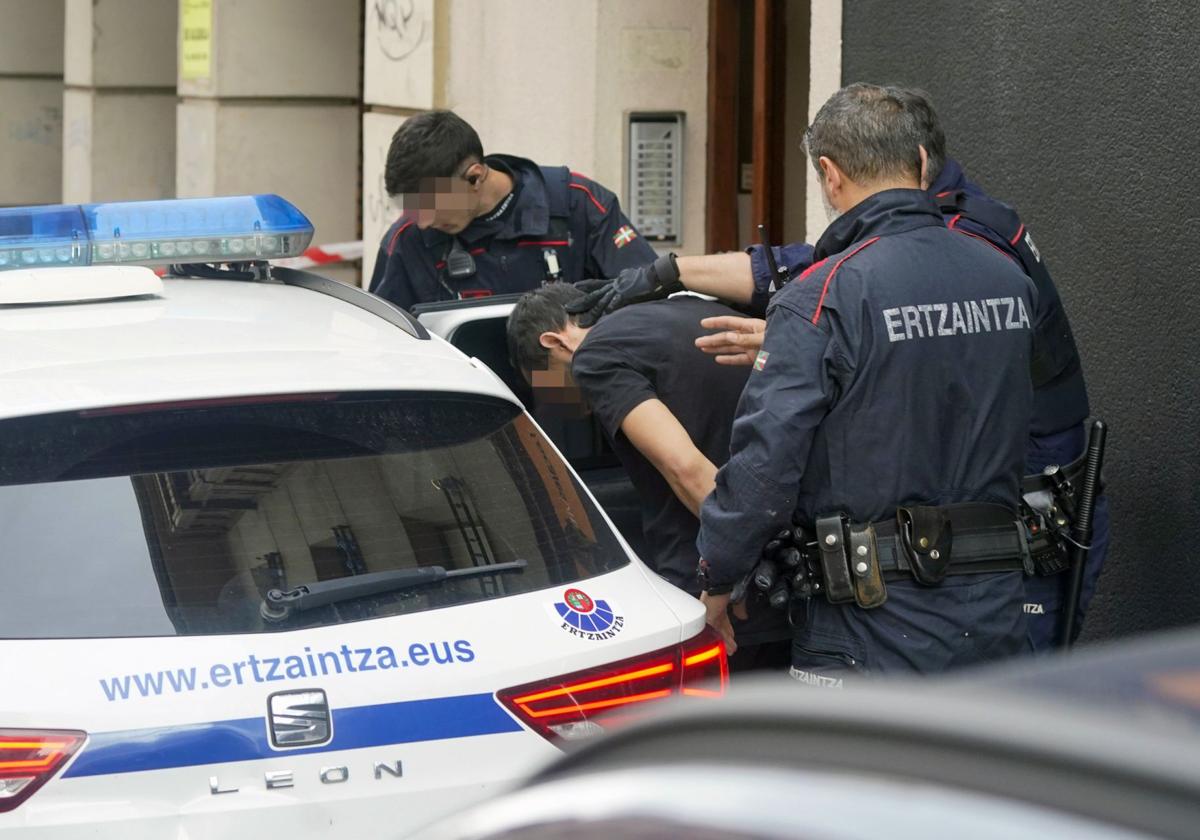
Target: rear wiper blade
column 279, row 604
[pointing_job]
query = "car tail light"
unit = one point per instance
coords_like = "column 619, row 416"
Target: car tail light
column 583, row 703
column 29, row 758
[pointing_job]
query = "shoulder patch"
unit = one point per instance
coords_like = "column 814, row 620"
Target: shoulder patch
column 624, row 235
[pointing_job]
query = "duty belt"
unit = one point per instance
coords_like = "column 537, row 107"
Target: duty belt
column 1054, row 477
column 925, row 543
column 977, row 548
column 850, row 562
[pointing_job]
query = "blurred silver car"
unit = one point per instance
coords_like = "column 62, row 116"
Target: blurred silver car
column 1104, row 744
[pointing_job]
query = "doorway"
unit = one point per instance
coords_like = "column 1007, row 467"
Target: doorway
column 758, row 78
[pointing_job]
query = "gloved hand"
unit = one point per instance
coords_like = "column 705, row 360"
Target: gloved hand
column 633, row 285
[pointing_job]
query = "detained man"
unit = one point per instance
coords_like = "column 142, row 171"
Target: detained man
column 668, row 413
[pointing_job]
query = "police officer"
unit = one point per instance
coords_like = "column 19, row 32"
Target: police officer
column 476, row 225
column 1056, row 434
column 886, row 415
column 1060, row 398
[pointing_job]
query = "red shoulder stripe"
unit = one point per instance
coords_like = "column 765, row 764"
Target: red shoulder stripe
column 1017, row 237
column 836, row 266
column 599, row 206
column 811, row 269
column 986, row 241
column 950, row 224
column 392, row 242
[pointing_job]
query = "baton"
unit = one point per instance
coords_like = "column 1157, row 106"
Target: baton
column 1081, row 531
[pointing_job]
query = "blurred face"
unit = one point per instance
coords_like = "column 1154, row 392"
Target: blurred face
column 554, row 391
column 446, row 204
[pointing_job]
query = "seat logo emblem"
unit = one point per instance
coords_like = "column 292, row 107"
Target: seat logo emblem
column 299, row 719
column 588, row 618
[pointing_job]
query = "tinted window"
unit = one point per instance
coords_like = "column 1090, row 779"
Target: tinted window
column 176, row 520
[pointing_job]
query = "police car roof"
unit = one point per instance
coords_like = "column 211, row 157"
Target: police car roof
column 212, row 338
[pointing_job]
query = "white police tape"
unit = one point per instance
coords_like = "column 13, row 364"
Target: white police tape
column 337, row 252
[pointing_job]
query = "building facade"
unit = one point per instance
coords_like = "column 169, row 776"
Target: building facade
column 1080, row 114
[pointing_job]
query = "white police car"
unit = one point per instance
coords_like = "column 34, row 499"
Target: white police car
column 273, row 560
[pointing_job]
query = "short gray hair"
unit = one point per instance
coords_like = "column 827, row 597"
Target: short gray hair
column 868, row 131
column 933, row 137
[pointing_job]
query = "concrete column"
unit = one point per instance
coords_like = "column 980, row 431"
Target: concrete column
column 825, row 78
column 31, row 89
column 652, row 55
column 404, row 65
column 269, row 103
column 119, row 104
column 378, row 210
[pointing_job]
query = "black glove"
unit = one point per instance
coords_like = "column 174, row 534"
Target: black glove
column 633, row 285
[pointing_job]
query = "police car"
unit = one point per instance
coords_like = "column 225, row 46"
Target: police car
column 276, row 561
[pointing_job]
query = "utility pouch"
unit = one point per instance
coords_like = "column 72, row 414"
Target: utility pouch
column 835, row 569
column 1045, row 522
column 927, row 538
column 1048, row 554
column 869, row 588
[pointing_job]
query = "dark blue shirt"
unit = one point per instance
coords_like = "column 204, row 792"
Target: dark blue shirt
column 894, row 370
column 648, row 352
column 558, row 219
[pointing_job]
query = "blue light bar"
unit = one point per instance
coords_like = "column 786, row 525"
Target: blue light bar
column 185, row 230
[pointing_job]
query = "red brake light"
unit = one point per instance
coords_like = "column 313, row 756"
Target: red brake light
column 569, row 706
column 29, row 758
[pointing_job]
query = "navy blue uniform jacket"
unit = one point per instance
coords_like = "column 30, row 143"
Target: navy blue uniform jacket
column 894, row 370
column 1060, row 402
column 555, row 213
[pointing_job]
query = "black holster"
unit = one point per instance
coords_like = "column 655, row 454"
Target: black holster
column 927, row 538
column 850, row 563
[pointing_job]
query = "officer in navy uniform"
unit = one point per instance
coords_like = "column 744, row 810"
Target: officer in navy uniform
column 1056, row 435
column 476, row 225
column 1060, row 398
column 886, row 414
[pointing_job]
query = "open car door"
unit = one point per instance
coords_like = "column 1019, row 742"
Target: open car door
column 476, row 326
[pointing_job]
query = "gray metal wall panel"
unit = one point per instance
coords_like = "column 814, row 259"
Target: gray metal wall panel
column 1085, row 116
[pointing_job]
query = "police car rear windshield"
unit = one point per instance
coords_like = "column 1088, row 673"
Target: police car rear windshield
column 177, row 519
